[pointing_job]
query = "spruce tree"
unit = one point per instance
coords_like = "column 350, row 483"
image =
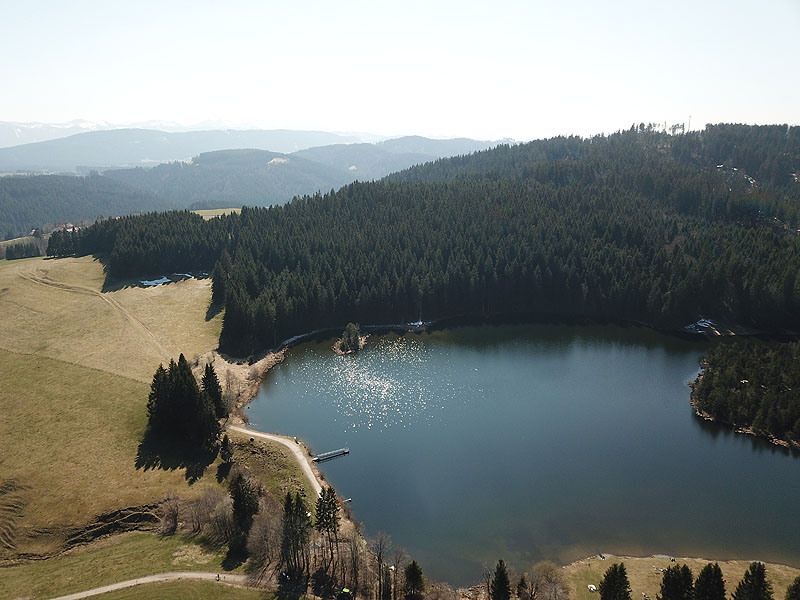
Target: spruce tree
column 245, row 502
column 213, row 390
column 709, row 584
column 754, row 584
column 793, row 591
column 414, row 581
column 226, row 450
column 501, row 585
column 615, row 585
column 677, row 584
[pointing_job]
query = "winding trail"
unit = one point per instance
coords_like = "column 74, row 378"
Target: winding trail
column 224, row 579
column 296, row 448
column 34, row 276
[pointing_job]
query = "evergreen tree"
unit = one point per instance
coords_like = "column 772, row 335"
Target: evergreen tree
column 226, row 450
column 157, row 401
column 615, row 585
column 295, row 538
column 677, row 584
column 709, row 584
column 351, row 339
column 245, row 502
column 793, row 591
column 177, row 409
column 754, row 584
column 414, row 587
column 327, row 518
column 522, row 587
column 501, row 585
column 213, row 390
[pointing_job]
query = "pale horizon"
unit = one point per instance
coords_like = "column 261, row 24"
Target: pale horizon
column 515, row 70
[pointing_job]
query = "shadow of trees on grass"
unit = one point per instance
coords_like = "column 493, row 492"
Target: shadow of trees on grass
column 157, row 453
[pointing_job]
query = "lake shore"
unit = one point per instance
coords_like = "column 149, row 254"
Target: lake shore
column 745, row 430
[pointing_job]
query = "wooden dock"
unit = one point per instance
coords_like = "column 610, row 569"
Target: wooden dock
column 332, row 454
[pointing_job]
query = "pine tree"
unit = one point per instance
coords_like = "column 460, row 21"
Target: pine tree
column 615, row 585
column 754, row 584
column 793, row 591
column 501, row 586
column 414, row 581
column 213, row 390
column 245, row 502
column 295, row 539
column 677, row 584
column 226, row 450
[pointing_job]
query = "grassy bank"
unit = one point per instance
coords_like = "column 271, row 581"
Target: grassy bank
column 106, row 561
column 645, row 576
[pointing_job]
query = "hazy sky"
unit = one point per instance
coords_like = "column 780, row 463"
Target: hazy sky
column 486, row 70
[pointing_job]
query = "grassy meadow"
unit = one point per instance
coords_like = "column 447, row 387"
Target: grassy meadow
column 186, row 590
column 113, row 559
column 210, row 213
column 645, row 576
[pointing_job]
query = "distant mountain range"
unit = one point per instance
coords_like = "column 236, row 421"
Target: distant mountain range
column 220, row 174
column 259, row 178
column 136, row 147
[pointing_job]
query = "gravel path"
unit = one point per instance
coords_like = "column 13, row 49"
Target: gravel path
column 224, row 579
column 296, row 448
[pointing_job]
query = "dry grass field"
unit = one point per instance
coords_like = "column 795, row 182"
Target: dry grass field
column 56, row 308
column 645, row 576
column 75, row 364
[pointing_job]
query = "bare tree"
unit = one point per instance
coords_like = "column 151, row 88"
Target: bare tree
column 399, row 559
column 200, row 509
column 169, row 515
column 221, row 527
column 487, row 572
column 380, row 546
column 355, row 549
column 547, row 583
column 264, row 544
column 440, row 591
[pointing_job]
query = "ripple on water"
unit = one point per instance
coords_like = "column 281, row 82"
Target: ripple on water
column 366, row 394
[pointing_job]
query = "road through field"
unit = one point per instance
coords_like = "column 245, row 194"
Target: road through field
column 224, row 579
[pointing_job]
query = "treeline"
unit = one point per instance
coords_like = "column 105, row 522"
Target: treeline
column 610, row 227
column 27, row 202
column 752, row 385
column 26, row 250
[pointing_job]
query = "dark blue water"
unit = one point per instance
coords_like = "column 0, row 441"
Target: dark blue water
column 534, row 442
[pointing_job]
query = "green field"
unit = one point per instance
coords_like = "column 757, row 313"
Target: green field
column 188, row 590
column 110, row 560
column 645, row 577
column 210, row 213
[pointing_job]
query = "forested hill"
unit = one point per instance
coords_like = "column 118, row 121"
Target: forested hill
column 27, row 202
column 234, row 178
column 622, row 226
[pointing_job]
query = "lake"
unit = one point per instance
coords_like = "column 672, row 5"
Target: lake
column 531, row 442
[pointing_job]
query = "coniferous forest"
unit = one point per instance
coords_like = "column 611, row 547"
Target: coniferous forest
column 638, row 225
column 752, row 385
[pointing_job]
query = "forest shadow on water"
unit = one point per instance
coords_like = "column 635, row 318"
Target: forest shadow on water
column 757, row 444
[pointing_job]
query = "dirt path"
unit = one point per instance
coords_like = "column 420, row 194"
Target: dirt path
column 296, row 449
column 34, row 277
column 224, row 579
